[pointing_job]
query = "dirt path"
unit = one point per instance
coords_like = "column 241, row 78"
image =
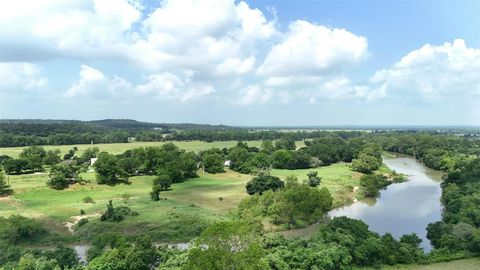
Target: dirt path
column 75, row 220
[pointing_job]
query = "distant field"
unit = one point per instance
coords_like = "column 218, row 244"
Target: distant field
column 466, row 264
column 118, row 148
column 338, row 178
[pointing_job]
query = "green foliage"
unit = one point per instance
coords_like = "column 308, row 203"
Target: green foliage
column 313, row 179
column 285, row 143
column 164, row 181
column 330, row 150
column 287, row 159
column 267, row 147
column 239, row 157
column 88, row 199
column 16, row 166
column 108, row 170
column 52, row 157
column 62, row 175
column 138, row 256
column 65, row 257
column 369, row 159
column 262, row 183
column 281, row 158
column 155, row 193
column 227, row 245
column 70, row 154
column 34, row 156
column 4, row 187
column 105, row 241
column 213, row 163
column 89, row 153
column 294, row 206
column 30, row 262
column 160, row 183
column 17, row 228
column 116, row 214
column 372, row 183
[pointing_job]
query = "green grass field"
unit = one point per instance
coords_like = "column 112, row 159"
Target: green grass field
column 465, row 264
column 118, row 148
column 338, row 178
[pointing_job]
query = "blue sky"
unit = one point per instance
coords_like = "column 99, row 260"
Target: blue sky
column 242, row 62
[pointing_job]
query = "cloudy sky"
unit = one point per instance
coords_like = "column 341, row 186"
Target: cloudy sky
column 253, row 62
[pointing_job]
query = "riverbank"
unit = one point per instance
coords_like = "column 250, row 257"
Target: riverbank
column 401, row 208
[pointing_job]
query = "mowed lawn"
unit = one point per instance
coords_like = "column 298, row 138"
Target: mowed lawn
column 338, row 178
column 118, row 148
column 465, row 264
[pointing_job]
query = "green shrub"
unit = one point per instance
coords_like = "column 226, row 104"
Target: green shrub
column 88, row 199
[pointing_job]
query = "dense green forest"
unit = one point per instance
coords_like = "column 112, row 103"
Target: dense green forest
column 241, row 242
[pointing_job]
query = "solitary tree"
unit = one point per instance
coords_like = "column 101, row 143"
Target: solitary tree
column 313, row 179
column 155, row 193
column 3, row 183
column 263, row 183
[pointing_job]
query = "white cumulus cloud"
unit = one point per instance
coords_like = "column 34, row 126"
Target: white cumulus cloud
column 310, row 49
column 163, row 86
column 47, row 29
column 93, row 82
column 170, row 86
column 20, row 76
column 434, row 72
column 254, row 94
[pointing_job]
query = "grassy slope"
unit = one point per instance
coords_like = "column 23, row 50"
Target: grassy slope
column 466, row 264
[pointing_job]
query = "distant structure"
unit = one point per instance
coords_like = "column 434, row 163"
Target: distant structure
column 227, row 163
column 93, row 160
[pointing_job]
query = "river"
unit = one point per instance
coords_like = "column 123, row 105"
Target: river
column 401, row 208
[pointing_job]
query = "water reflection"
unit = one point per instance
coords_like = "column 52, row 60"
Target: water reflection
column 402, row 208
